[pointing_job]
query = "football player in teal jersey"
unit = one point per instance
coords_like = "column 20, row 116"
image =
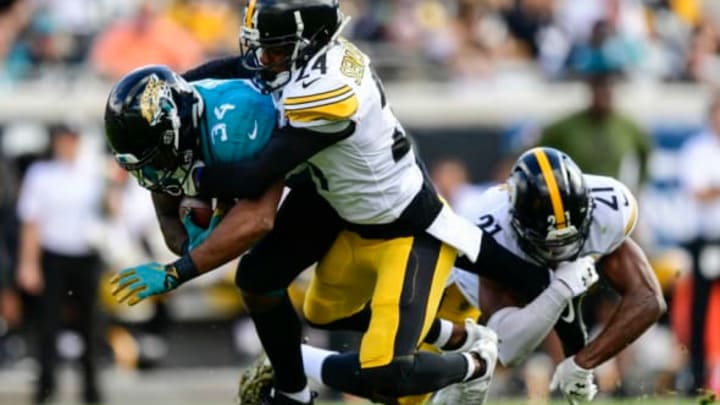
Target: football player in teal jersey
column 159, row 127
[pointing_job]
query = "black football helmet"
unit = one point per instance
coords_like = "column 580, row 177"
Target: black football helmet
column 551, row 207
column 295, row 29
column 151, row 124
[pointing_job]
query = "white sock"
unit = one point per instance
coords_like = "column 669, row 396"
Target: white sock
column 471, row 366
column 303, row 396
column 313, row 359
column 446, row 328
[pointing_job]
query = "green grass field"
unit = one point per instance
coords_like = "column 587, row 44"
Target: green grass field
column 632, row 401
column 645, row 401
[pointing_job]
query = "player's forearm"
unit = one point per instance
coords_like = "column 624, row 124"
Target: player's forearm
column 166, row 210
column 174, row 234
column 633, row 316
column 521, row 330
column 228, row 241
column 242, row 227
column 629, row 273
column 29, row 244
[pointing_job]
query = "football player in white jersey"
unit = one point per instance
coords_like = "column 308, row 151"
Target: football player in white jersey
column 545, row 230
column 384, row 241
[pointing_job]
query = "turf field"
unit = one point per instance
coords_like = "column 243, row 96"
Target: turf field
column 216, row 386
column 639, row 401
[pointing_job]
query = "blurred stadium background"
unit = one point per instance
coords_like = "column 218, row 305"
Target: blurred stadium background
column 474, row 81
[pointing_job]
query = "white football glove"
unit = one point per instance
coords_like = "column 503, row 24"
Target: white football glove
column 577, row 275
column 189, row 187
column 575, row 382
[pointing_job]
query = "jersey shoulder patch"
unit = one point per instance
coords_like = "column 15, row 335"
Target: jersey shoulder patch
column 615, row 213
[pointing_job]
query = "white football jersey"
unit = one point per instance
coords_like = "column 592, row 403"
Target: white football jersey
column 371, row 176
column 613, row 218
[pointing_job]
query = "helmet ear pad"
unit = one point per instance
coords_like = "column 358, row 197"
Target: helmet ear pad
column 550, row 205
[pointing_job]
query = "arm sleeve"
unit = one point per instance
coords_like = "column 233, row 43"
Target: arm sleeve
column 287, row 148
column 223, row 68
column 521, row 330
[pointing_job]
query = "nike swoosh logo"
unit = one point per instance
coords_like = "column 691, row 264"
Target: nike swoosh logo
column 221, row 110
column 570, row 317
column 305, row 85
column 252, row 135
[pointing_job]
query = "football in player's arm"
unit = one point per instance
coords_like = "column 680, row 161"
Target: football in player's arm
column 550, row 215
column 159, row 127
column 381, row 215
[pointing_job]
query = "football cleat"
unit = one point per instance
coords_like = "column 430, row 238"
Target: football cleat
column 485, row 347
column 256, row 386
column 474, row 332
column 448, row 395
column 256, row 383
column 482, row 342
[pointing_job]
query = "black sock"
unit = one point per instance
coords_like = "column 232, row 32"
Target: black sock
column 434, row 332
column 417, row 374
column 279, row 330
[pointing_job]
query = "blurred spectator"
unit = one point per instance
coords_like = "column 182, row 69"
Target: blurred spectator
column 450, row 177
column 526, row 20
column 65, row 29
column 369, row 19
column 607, row 31
column 14, row 16
column 9, row 300
column 703, row 55
column 479, row 37
column 578, row 18
column 59, row 201
column 700, row 176
column 601, row 139
column 146, row 38
column 214, row 23
column 606, row 51
column 464, row 39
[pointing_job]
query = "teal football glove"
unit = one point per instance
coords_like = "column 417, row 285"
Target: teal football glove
column 196, row 234
column 145, row 280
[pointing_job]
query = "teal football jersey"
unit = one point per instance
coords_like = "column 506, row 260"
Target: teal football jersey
column 237, row 121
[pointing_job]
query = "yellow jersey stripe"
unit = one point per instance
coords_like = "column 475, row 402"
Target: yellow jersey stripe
column 339, row 110
column 318, row 97
column 249, row 13
column 633, row 216
column 555, row 199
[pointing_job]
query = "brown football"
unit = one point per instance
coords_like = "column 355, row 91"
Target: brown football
column 200, row 210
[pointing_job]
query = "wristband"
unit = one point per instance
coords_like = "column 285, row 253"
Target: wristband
column 183, row 269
